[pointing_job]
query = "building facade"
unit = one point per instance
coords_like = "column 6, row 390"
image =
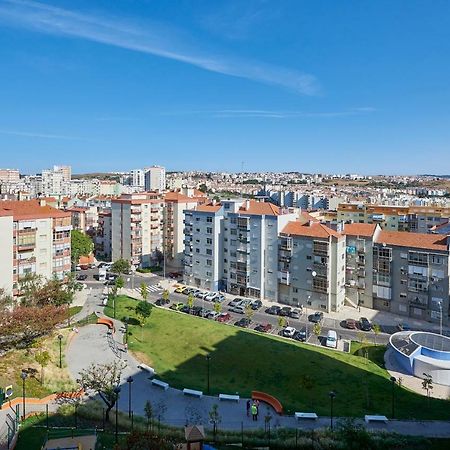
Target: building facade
column 155, row 179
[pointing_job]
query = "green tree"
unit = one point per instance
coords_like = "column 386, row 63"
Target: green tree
column 119, row 283
column 427, row 385
column 81, row 244
column 214, row 418
column 121, row 266
column 144, row 291
column 376, row 331
column 143, row 311
column 190, row 301
column 249, row 312
column 203, row 188
column 165, row 295
column 42, row 358
column 317, row 329
column 148, row 411
column 282, row 322
column 218, row 307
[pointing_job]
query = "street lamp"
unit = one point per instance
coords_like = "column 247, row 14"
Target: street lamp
column 23, row 375
column 332, row 395
column 117, row 392
column 393, row 380
column 129, row 381
column 60, row 337
column 208, row 358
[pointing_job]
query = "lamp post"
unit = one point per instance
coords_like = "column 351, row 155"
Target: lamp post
column 60, row 337
column 117, row 392
column 23, row 375
column 332, row 395
column 208, row 358
column 129, row 381
column 393, row 380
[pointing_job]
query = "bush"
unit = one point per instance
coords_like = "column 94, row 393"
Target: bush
column 149, row 269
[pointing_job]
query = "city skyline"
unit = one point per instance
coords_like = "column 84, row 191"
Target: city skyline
column 308, row 86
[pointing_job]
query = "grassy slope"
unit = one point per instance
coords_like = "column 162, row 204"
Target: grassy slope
column 176, row 346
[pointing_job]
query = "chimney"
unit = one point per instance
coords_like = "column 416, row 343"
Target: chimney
column 247, row 204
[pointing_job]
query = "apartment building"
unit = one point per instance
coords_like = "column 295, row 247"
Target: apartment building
column 137, row 228
column 84, row 219
column 103, row 236
column 411, row 275
column 250, row 243
column 137, row 178
column 155, row 179
column 359, row 263
column 394, row 218
column 9, row 176
column 175, row 204
column 311, row 266
column 203, row 251
column 35, row 239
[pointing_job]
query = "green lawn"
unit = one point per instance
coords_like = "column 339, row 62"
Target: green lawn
column 176, row 345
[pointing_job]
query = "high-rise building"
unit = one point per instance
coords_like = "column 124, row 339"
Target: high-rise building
column 137, row 178
column 66, row 172
column 136, row 222
column 155, row 179
column 34, row 239
column 9, row 176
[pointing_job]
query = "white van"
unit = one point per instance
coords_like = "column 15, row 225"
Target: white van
column 332, row 339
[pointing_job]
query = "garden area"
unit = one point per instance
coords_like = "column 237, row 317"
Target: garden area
column 299, row 375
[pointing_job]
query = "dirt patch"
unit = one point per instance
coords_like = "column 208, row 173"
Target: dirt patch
column 143, row 358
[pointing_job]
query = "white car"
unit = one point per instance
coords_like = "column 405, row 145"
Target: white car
column 210, row 297
column 236, row 301
column 213, row 315
column 238, row 309
column 201, row 294
column 289, row 332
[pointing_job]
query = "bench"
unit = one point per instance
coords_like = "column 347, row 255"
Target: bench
column 108, row 322
column 269, row 399
column 193, row 392
column 304, row 415
column 229, row 397
column 160, row 383
column 148, row 369
column 369, row 418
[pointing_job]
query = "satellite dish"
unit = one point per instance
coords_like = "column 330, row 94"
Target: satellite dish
column 314, row 273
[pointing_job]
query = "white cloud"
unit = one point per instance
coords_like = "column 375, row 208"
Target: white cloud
column 153, row 39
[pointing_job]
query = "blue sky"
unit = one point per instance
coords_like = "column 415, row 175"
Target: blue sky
column 319, row 85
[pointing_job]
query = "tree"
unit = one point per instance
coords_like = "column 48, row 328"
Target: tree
column 218, row 307
column 317, row 329
column 214, row 418
column 121, row 266
column 143, row 311
column 148, row 410
column 203, row 188
column 144, row 291
column 282, row 322
column 81, row 244
column 249, row 312
column 6, row 300
column 376, row 330
column 427, row 385
column 119, row 283
column 102, row 379
column 42, row 358
column 165, row 295
column 190, row 301
column 159, row 256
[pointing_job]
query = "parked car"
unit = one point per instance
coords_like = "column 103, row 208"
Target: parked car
column 289, row 332
column 236, row 301
column 84, row 266
column 273, row 310
column 351, row 324
column 285, row 311
column 162, row 302
column 239, row 309
column 180, row 289
column 212, row 315
column 175, row 275
column 176, row 306
column 211, row 296
column 403, row 326
column 92, row 266
column 263, row 328
column 185, row 309
column 219, row 298
column 223, row 317
column 365, row 324
column 332, row 339
column 300, row 336
column 294, row 314
column 244, row 322
column 201, row 294
column 316, row 317
column 82, row 277
column 78, row 268
column 196, row 310
column 188, row 291
column 256, row 304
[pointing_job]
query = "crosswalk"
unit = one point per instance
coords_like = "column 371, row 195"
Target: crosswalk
column 150, row 288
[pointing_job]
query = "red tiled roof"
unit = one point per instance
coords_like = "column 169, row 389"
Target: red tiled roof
column 313, row 229
column 414, row 240
column 260, row 208
column 177, row 197
column 209, row 208
column 31, row 209
column 360, row 229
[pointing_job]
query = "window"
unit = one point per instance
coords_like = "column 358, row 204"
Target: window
column 404, row 255
column 308, row 257
column 209, row 241
column 209, row 230
column 295, row 290
column 209, row 262
column 197, row 250
column 209, row 219
column 208, row 251
column 402, row 294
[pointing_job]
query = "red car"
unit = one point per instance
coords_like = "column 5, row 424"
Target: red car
column 350, row 324
column 263, row 328
column 223, row 317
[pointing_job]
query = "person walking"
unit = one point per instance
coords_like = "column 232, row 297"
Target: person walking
column 249, row 403
column 254, row 409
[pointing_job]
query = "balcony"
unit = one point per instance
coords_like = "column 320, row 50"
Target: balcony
column 27, row 261
column 284, row 277
column 286, row 244
column 320, row 248
column 24, row 246
column 27, row 231
column 420, row 301
column 136, row 219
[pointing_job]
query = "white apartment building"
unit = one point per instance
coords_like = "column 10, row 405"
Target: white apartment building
column 312, row 266
column 137, row 178
column 203, row 254
column 9, row 176
column 250, row 242
column 137, row 228
column 155, row 179
column 35, row 239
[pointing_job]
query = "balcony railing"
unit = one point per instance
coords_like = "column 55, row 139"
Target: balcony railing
column 284, row 277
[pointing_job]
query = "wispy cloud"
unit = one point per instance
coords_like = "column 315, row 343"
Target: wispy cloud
column 273, row 113
column 32, row 134
column 153, row 39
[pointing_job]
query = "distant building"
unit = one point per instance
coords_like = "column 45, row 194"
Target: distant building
column 138, row 178
column 155, row 179
column 9, row 176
